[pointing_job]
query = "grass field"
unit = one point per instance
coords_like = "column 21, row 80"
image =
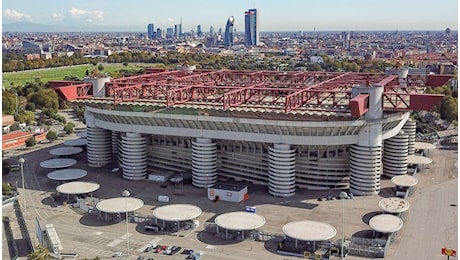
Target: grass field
column 45, row 75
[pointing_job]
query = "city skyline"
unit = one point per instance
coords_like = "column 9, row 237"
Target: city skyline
column 291, row 15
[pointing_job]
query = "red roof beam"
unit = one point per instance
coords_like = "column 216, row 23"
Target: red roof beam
column 387, row 80
column 299, row 98
column 240, row 96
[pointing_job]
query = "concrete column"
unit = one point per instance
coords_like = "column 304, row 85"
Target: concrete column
column 410, row 128
column 204, row 163
column 281, row 170
column 134, row 156
column 395, row 155
column 99, row 146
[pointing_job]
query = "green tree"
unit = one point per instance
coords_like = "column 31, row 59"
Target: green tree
column 40, row 253
column 69, row 128
column 51, row 136
column 31, row 141
column 31, row 107
column 45, row 98
column 8, row 102
column 6, row 189
column 449, row 108
column 26, row 116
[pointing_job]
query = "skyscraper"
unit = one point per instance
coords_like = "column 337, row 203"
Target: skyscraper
column 198, row 31
column 228, row 37
column 177, row 30
column 251, row 32
column 150, row 31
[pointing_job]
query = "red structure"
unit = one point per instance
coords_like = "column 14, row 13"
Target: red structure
column 287, row 91
column 17, row 139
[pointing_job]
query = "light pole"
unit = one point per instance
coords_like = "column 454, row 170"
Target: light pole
column 343, row 195
column 21, row 161
column 125, row 194
column 17, row 106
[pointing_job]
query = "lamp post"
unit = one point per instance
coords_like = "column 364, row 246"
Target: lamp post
column 125, row 194
column 17, row 106
column 343, row 195
column 21, row 161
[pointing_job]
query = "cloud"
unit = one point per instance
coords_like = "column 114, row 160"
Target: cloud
column 90, row 16
column 15, row 15
column 57, row 16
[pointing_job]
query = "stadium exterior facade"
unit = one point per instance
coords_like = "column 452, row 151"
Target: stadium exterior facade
column 288, row 131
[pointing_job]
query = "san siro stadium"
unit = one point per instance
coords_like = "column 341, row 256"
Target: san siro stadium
column 285, row 130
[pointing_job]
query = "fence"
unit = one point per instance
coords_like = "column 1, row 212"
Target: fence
column 369, row 247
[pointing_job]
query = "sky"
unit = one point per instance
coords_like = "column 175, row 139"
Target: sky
column 280, row 15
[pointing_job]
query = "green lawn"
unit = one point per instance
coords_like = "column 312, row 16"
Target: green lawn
column 45, row 75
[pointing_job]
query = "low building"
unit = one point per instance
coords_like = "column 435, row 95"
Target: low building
column 228, row 192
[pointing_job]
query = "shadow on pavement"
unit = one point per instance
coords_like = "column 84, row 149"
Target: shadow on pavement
column 387, row 192
column 212, row 239
column 272, row 244
column 370, row 215
column 94, row 221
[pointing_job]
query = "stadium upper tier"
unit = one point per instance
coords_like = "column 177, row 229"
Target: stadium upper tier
column 292, row 93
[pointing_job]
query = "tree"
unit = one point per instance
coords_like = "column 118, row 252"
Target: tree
column 8, row 102
column 26, row 117
column 449, row 108
column 31, row 141
column 6, row 167
column 31, row 107
column 51, row 136
column 69, row 127
column 45, row 98
column 6, row 189
column 40, row 253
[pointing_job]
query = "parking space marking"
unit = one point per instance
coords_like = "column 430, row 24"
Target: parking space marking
column 115, row 242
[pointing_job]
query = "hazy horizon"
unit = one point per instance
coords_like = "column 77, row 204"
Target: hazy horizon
column 288, row 15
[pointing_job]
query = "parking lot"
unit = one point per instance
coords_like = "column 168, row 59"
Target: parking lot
column 90, row 236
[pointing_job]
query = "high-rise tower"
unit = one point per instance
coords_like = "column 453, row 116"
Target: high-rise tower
column 199, row 33
column 150, row 31
column 228, row 37
column 251, row 31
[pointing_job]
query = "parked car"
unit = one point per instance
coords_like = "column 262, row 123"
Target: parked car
column 168, row 250
column 195, row 256
column 160, row 248
column 117, row 254
column 187, row 251
column 175, row 250
column 152, row 227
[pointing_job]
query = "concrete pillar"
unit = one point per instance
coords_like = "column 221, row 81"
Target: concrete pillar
column 410, row 128
column 395, row 155
column 99, row 146
column 204, row 163
column 134, row 156
column 281, row 170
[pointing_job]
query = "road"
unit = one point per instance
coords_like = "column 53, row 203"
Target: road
column 433, row 220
